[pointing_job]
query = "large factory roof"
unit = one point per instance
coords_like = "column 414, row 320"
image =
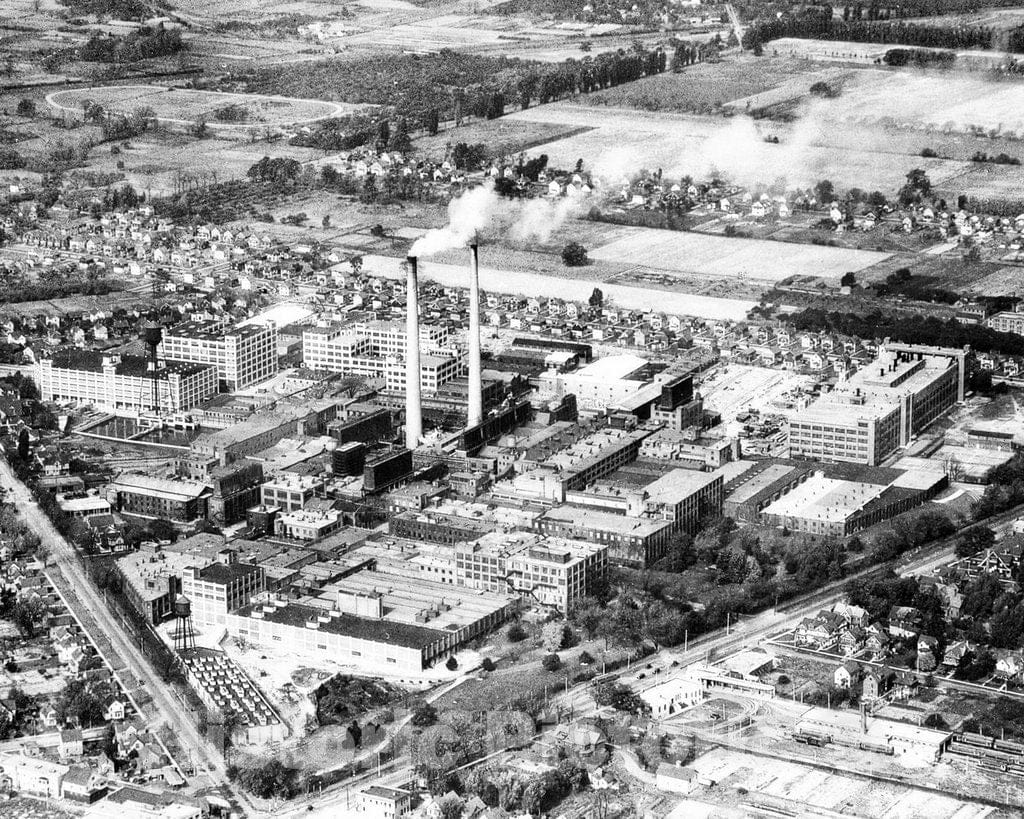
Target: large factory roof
column 126, row 365
column 539, row 547
column 594, row 448
column 147, row 572
column 177, row 490
column 612, row 367
column 761, row 479
column 406, row 597
column 826, row 499
column 679, row 484
column 213, row 330
column 347, row 625
column 605, row 521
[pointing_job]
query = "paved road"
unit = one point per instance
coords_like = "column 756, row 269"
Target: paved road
column 91, row 609
column 752, row 630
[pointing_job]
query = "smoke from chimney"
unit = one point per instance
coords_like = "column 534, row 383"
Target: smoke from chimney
column 482, row 209
column 413, row 406
column 475, row 413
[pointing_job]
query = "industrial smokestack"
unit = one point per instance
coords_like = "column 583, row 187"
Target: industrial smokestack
column 413, row 408
column 476, row 400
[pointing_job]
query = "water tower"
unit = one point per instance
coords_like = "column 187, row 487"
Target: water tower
column 152, row 335
column 184, row 634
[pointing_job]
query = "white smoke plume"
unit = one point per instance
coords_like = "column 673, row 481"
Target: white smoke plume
column 482, row 210
column 468, row 214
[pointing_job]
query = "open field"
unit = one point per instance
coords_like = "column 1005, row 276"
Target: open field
column 182, row 106
column 930, row 100
column 503, row 137
column 741, row 258
column 704, row 86
column 826, row 50
column 984, row 179
column 155, row 163
column 622, row 141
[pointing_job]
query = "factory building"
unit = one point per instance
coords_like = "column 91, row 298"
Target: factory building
column 290, row 492
column 220, row 587
column 632, row 541
column 551, row 571
column 147, row 497
column 377, row 350
column 243, row 355
column 124, row 384
column 1008, row 322
column 881, row 408
column 604, row 383
column 823, row 505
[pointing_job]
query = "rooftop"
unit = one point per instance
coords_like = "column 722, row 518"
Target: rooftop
column 125, row 365
column 213, row 330
column 158, row 487
column 561, row 551
column 827, row 499
column 757, row 480
column 224, row 573
column 605, row 521
column 349, row 625
column 678, row 484
column 612, row 368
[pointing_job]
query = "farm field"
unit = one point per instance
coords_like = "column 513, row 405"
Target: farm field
column 826, row 50
column 502, row 136
column 702, row 87
column 733, row 257
column 949, row 103
column 184, row 106
column 156, row 164
column 622, row 141
column 986, row 179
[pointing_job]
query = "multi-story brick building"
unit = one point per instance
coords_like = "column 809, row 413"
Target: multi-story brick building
column 143, row 496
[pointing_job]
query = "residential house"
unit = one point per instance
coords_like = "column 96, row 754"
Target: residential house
column 877, row 682
column 904, row 621
column 854, row 615
column 927, row 652
column 70, row 743
column 877, row 642
column 847, row 674
column 1010, row 666
column 956, row 653
column 851, row 640
column 82, row 784
column 820, row 632
column 114, row 709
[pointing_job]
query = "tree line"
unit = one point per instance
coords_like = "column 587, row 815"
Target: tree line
column 143, row 44
column 428, row 89
column 911, row 329
column 824, row 27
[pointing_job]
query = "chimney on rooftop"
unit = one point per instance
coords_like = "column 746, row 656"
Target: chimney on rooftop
column 413, row 407
column 475, row 412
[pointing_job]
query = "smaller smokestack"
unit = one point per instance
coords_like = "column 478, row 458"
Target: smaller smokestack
column 475, row 412
column 413, row 406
